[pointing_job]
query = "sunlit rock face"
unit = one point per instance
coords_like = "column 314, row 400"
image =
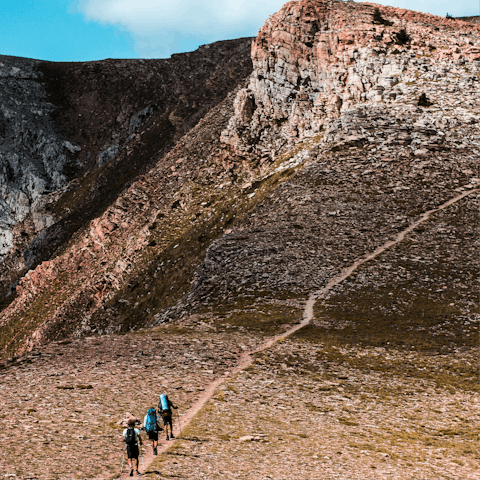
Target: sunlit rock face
column 314, row 60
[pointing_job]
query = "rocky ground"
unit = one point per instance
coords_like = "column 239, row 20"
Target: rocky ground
column 370, row 168
column 59, row 407
column 142, row 254
column 378, row 387
column 342, row 204
column 312, row 409
column 382, row 384
column 426, row 287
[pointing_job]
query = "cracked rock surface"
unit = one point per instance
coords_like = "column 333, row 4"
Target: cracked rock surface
column 34, row 157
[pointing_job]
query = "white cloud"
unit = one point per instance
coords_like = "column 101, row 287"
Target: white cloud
column 162, row 27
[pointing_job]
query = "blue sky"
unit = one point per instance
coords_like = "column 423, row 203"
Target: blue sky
column 79, row 30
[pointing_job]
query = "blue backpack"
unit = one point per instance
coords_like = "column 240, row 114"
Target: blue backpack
column 151, row 423
column 164, row 402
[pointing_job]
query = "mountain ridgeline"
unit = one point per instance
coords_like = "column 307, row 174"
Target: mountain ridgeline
column 140, row 192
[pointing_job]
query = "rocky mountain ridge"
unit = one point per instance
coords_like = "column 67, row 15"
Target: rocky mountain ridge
column 473, row 19
column 335, row 91
column 377, row 140
column 99, row 116
column 315, row 63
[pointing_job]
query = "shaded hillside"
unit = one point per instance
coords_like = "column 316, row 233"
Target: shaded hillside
column 142, row 254
column 473, row 19
column 119, row 117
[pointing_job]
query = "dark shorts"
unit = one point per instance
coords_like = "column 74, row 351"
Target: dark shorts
column 132, row 452
column 153, row 435
column 167, row 420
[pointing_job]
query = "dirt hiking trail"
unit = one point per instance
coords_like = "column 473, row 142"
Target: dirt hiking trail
column 246, row 359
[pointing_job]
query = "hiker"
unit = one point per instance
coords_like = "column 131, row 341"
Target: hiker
column 132, row 438
column 128, row 416
column 151, row 426
column 165, row 410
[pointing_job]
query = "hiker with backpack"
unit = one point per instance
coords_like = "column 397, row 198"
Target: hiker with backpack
column 165, row 410
column 132, row 439
column 128, row 416
column 151, row 426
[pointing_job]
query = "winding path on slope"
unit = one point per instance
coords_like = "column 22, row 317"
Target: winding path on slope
column 246, row 359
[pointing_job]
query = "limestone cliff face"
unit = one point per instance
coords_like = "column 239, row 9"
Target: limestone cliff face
column 34, row 157
column 316, row 59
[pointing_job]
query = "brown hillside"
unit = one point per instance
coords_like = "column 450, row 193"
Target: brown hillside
column 121, row 116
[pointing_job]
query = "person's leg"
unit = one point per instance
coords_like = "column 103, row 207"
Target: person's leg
column 171, row 427
column 136, row 465
column 165, row 426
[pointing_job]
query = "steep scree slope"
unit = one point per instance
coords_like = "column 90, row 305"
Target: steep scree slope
column 85, row 131
column 340, row 92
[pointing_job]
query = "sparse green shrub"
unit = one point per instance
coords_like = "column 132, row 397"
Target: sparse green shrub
column 402, row 37
column 379, row 20
column 423, row 101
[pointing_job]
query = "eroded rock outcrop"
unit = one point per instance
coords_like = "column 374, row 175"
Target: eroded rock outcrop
column 338, row 92
column 33, row 155
column 316, row 60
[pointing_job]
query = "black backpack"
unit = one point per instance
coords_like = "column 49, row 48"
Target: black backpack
column 130, row 439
